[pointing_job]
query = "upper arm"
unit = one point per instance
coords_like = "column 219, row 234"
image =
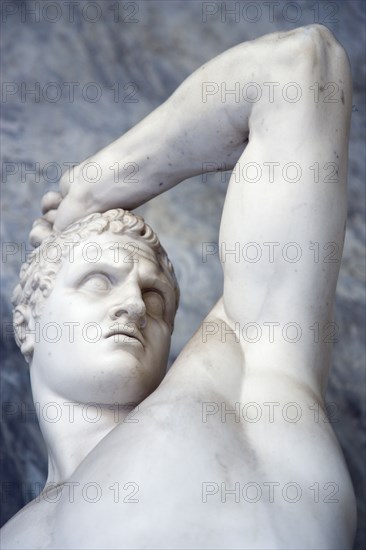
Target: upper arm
column 285, row 210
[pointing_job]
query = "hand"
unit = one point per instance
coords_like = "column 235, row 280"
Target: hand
column 59, row 209
column 44, row 226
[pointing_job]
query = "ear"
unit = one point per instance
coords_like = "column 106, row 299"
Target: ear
column 24, row 330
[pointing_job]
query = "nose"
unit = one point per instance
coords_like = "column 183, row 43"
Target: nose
column 131, row 306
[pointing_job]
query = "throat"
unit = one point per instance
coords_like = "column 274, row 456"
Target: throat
column 79, row 429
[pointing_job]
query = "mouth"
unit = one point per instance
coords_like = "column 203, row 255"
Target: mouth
column 126, row 336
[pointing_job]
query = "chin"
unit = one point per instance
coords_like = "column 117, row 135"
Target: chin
column 123, row 383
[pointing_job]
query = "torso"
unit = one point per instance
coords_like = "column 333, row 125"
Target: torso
column 190, row 474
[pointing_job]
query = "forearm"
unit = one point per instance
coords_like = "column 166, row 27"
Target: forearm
column 201, row 127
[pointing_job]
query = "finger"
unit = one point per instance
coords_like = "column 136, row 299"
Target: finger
column 50, row 216
column 50, row 201
column 67, row 213
column 39, row 233
column 40, row 221
column 68, row 178
column 65, row 184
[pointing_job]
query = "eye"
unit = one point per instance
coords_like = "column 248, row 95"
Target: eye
column 154, row 303
column 96, row 282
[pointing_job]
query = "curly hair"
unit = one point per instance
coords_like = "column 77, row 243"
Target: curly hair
column 38, row 273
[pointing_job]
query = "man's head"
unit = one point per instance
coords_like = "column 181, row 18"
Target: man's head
column 104, row 274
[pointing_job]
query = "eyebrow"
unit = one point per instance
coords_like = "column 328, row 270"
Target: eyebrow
column 90, row 267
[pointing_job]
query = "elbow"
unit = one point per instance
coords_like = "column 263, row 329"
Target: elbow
column 316, row 56
column 318, row 45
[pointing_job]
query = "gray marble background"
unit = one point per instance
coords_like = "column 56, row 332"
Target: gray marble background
column 136, row 54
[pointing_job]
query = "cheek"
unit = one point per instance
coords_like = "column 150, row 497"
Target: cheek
column 160, row 340
column 72, row 316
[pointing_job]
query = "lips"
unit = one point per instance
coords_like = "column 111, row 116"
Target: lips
column 134, row 334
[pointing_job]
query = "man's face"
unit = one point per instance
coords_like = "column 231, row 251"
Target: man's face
column 104, row 332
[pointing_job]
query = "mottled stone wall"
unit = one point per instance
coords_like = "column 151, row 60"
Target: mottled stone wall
column 136, row 54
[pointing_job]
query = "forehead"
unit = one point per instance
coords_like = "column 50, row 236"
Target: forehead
column 116, row 251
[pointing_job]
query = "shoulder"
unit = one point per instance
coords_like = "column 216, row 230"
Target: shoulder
column 30, row 528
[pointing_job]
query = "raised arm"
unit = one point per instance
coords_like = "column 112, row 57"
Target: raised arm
column 283, row 225
column 279, row 107
column 203, row 126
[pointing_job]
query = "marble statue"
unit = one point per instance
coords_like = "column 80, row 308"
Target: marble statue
column 232, row 447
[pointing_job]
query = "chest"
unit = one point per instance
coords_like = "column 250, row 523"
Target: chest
column 33, row 526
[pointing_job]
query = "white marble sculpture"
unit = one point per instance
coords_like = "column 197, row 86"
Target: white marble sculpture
column 232, row 448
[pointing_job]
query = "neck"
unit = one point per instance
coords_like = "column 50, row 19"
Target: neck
column 72, row 430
